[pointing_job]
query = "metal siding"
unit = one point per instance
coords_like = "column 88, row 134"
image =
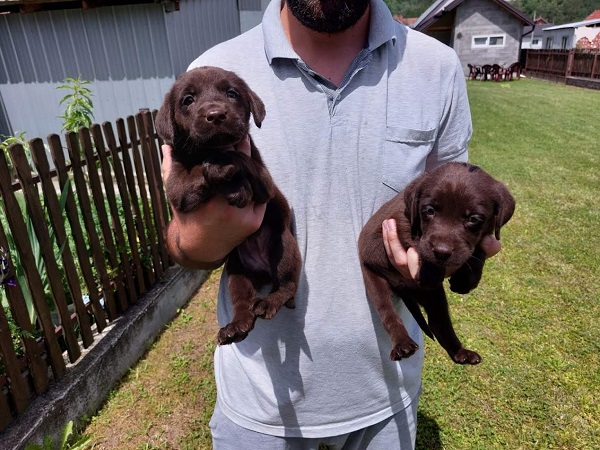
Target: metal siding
column 198, row 26
column 131, row 53
column 250, row 5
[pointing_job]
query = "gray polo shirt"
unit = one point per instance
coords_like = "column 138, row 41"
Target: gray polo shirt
column 337, row 153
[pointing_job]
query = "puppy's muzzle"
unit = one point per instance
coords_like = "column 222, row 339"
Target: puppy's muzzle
column 216, row 115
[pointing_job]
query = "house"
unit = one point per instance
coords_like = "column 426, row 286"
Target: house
column 532, row 35
column 584, row 34
column 480, row 31
column 131, row 51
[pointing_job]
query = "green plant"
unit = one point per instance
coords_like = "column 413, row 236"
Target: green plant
column 78, row 442
column 80, row 107
column 19, row 271
column 18, row 138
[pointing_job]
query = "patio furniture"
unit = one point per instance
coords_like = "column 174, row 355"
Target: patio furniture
column 498, row 72
column 487, row 71
column 474, row 72
column 514, row 68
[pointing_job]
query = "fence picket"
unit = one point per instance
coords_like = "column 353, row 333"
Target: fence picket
column 140, row 161
column 85, row 206
column 76, row 232
column 34, row 282
column 102, row 214
column 5, row 414
column 154, row 185
column 127, row 208
column 18, row 309
column 130, row 178
column 38, row 221
column 18, row 388
column 125, row 277
column 38, row 153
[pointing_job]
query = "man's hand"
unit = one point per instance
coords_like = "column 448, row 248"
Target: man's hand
column 202, row 239
column 407, row 261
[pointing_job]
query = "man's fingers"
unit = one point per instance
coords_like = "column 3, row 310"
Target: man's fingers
column 491, row 246
column 165, row 168
column 392, row 243
column 412, row 259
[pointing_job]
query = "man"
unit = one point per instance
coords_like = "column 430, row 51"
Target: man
column 357, row 106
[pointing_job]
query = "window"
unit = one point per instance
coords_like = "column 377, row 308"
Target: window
column 563, row 42
column 535, row 41
column 496, row 40
column 549, row 42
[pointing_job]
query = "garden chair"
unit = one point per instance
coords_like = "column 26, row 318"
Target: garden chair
column 474, row 71
column 514, row 68
column 499, row 72
column 486, row 71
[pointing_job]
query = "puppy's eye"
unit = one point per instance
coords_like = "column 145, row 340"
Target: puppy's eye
column 475, row 220
column 428, row 212
column 187, row 100
column 232, row 93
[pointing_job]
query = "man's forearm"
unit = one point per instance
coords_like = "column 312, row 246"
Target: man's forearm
column 183, row 258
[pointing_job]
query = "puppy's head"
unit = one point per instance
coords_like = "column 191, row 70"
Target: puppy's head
column 452, row 208
column 207, row 108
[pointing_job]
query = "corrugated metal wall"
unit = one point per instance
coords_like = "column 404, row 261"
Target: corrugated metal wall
column 132, row 54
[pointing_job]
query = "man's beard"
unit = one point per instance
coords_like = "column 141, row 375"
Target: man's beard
column 328, row 16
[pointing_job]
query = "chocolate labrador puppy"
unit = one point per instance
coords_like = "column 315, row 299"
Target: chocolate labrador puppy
column 207, row 112
column 443, row 214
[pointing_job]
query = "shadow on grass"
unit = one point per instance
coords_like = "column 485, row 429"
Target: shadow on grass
column 428, row 433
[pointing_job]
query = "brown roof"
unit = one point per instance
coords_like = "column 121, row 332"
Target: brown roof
column 594, row 15
column 408, row 21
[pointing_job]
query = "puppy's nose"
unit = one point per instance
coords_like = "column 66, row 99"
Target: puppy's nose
column 442, row 252
column 216, row 116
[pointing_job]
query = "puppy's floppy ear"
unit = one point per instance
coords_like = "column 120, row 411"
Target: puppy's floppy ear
column 504, row 207
column 165, row 118
column 412, row 194
column 257, row 107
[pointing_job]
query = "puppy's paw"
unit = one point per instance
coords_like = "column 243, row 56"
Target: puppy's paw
column 464, row 356
column 291, row 303
column 235, row 331
column 403, row 349
column 240, row 198
column 265, row 309
column 463, row 284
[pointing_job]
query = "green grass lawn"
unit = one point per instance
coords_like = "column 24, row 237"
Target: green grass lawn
column 534, row 318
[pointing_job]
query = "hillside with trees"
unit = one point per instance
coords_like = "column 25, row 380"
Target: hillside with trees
column 554, row 11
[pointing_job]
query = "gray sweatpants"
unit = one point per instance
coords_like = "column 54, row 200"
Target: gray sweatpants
column 398, row 432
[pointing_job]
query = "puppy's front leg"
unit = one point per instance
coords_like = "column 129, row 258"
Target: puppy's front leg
column 436, row 307
column 380, row 294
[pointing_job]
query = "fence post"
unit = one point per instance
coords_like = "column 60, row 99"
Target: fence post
column 569, row 64
column 594, row 64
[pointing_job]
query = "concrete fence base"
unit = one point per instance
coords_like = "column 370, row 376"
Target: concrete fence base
column 86, row 385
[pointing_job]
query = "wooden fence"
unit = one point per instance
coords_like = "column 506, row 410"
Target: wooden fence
column 563, row 65
column 82, row 242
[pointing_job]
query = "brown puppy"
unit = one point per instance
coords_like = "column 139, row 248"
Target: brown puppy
column 207, row 112
column 443, row 214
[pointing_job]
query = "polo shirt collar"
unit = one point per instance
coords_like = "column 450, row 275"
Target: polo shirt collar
column 382, row 29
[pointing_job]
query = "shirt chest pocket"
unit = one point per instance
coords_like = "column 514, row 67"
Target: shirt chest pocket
column 405, row 155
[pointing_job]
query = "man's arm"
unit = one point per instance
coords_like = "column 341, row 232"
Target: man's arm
column 203, row 238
